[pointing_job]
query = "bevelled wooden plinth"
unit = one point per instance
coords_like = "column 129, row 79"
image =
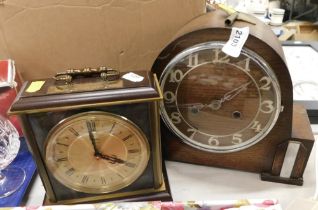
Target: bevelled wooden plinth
column 302, row 134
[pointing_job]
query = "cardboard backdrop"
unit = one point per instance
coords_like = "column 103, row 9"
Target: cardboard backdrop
column 49, row 36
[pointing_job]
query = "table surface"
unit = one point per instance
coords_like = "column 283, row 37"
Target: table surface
column 193, row 182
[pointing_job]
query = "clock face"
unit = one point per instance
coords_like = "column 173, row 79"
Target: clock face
column 219, row 103
column 96, row 152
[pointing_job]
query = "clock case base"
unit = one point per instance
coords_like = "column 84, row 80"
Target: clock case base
column 161, row 194
column 176, row 150
column 302, row 135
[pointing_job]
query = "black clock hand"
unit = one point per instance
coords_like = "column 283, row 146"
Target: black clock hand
column 194, row 107
column 189, row 105
column 112, row 159
column 92, row 138
column 215, row 104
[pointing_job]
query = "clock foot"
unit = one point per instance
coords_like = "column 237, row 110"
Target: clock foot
column 294, row 152
column 279, row 179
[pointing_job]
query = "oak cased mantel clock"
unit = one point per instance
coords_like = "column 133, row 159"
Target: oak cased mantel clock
column 95, row 135
column 232, row 112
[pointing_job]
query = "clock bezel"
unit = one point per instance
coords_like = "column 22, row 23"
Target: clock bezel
column 57, row 128
column 225, row 149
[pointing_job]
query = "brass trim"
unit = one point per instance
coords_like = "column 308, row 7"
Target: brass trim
column 147, row 191
column 156, row 137
column 105, row 73
column 156, row 142
column 32, row 111
column 158, row 87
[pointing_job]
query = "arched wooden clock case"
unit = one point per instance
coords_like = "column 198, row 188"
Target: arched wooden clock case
column 266, row 154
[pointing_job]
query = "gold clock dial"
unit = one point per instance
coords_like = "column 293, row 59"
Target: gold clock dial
column 96, row 152
column 219, row 103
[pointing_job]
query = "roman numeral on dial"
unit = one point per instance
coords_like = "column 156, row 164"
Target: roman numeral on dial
column 73, row 131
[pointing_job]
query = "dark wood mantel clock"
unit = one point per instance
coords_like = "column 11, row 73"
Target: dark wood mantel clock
column 232, row 112
column 95, row 135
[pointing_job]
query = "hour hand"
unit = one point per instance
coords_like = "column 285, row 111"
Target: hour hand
column 112, row 159
column 194, row 107
column 217, row 104
column 91, row 137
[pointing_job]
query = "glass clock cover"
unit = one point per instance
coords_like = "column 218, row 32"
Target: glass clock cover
column 96, row 152
column 219, row 103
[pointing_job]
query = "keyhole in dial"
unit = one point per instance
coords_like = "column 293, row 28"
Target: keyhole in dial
column 194, row 110
column 236, row 115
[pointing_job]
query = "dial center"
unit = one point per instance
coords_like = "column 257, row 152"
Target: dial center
column 81, row 152
column 221, row 89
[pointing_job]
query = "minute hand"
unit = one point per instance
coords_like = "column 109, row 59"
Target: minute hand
column 92, row 138
column 231, row 94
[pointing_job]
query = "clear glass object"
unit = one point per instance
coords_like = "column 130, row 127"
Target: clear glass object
column 11, row 178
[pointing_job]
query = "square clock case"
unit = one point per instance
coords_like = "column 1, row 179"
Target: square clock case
column 94, row 135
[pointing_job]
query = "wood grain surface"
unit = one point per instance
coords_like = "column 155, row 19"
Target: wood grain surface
column 261, row 156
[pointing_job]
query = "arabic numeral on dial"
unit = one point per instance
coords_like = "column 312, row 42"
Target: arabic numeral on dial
column 169, row 97
column 218, row 57
column 245, row 64
column 256, row 126
column 175, row 117
column 193, row 60
column 266, row 83
column 176, row 76
column 267, row 106
column 213, row 141
column 192, row 131
column 237, row 138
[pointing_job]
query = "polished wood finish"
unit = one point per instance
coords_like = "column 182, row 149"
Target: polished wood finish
column 262, row 156
column 53, row 95
column 301, row 134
